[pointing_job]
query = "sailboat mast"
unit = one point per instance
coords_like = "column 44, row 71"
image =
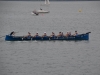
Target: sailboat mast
column 47, row 2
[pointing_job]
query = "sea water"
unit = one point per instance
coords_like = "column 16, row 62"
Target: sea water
column 50, row 57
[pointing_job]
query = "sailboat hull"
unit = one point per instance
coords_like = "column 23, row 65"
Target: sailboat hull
column 42, row 11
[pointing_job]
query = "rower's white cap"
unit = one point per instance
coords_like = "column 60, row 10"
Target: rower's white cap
column 36, row 32
column 44, row 32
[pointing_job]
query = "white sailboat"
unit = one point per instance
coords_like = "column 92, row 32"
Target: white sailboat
column 44, row 11
column 36, row 12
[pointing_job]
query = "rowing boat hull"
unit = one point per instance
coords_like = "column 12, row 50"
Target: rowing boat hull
column 21, row 38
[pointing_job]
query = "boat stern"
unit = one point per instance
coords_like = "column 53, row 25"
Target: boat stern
column 8, row 38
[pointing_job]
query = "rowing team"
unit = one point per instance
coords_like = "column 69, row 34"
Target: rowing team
column 45, row 35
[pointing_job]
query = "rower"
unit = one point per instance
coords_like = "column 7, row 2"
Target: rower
column 60, row 34
column 36, row 35
column 44, row 35
column 67, row 34
column 70, row 34
column 52, row 35
column 75, row 34
column 28, row 36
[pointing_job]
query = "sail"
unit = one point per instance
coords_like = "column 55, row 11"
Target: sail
column 47, row 2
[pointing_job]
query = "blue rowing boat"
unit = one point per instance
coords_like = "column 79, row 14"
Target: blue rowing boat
column 21, row 38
